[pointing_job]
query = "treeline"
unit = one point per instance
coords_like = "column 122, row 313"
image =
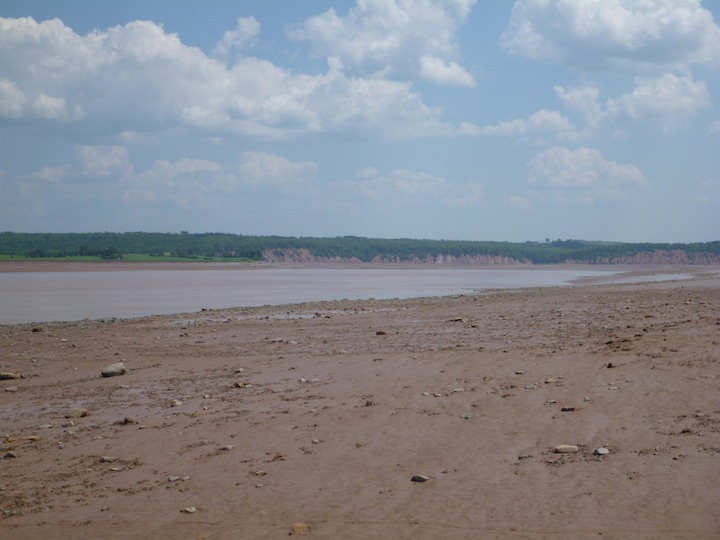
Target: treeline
column 219, row 245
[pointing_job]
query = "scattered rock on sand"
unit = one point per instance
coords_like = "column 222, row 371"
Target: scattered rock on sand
column 176, row 403
column 300, row 529
column 78, row 412
column 5, row 376
column 602, row 451
column 566, row 449
column 113, row 370
column 189, row 510
column 10, row 455
column 419, row 478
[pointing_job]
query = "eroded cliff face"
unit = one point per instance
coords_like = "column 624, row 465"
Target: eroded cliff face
column 303, row 256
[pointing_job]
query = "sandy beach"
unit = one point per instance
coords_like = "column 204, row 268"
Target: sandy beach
column 315, row 419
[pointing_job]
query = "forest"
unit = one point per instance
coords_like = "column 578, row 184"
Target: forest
column 234, row 247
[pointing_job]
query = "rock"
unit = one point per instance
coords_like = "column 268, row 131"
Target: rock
column 107, row 459
column 5, row 376
column 240, row 384
column 12, row 388
column 227, row 447
column 419, row 478
column 519, row 372
column 568, row 409
column 380, row 333
column 78, row 412
column 10, row 455
column 45, row 426
column 189, row 510
column 113, row 370
column 468, row 416
column 566, row 449
column 602, row 451
column 38, row 329
column 176, row 403
column 531, row 386
column 300, row 529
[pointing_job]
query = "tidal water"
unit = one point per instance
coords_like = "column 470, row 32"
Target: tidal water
column 76, row 295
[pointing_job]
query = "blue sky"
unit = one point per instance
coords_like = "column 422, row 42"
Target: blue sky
column 456, row 119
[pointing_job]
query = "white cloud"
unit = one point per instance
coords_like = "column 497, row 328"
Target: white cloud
column 186, row 183
column 137, row 78
column 50, row 174
column 626, row 35
column 582, row 176
column 12, row 100
column 102, row 161
column 261, row 170
column 392, row 38
column 538, row 127
column 714, row 127
column 436, row 70
column 523, row 203
column 670, row 99
column 401, row 187
column 244, row 37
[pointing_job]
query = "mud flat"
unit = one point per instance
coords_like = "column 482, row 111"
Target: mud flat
column 475, row 416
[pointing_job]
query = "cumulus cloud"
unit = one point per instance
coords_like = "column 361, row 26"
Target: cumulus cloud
column 261, row 170
column 669, row 100
column 102, row 161
column 395, row 39
column 400, row 187
column 245, row 36
column 626, row 35
column 137, row 78
column 50, row 174
column 582, row 176
column 540, row 127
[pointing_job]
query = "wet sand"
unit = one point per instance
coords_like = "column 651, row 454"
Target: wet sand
column 318, row 416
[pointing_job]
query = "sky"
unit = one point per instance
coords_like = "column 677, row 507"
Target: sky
column 453, row 119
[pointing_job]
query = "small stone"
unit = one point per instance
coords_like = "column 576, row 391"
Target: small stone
column 189, row 510
column 602, row 451
column 468, row 416
column 586, row 398
column 300, row 529
column 380, row 333
column 610, row 365
column 113, row 370
column 45, row 426
column 12, row 389
column 240, row 370
column 419, row 478
column 227, row 447
column 107, row 459
column 173, row 478
column 531, row 386
column 78, row 412
column 519, row 372
column 10, row 455
column 240, row 384
column 566, row 449
column 176, row 403
column 6, row 376
column 38, row 329
column 568, row 409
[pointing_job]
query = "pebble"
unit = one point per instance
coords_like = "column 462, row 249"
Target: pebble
column 519, row 372
column 10, row 455
column 113, row 370
column 227, row 447
column 419, row 478
column 107, row 459
column 566, row 449
column 78, row 412
column 567, row 409
column 176, row 403
column 189, row 510
column 45, row 426
column 300, row 529
column 531, row 387
column 602, row 451
column 468, row 416
column 5, row 376
column 12, row 389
